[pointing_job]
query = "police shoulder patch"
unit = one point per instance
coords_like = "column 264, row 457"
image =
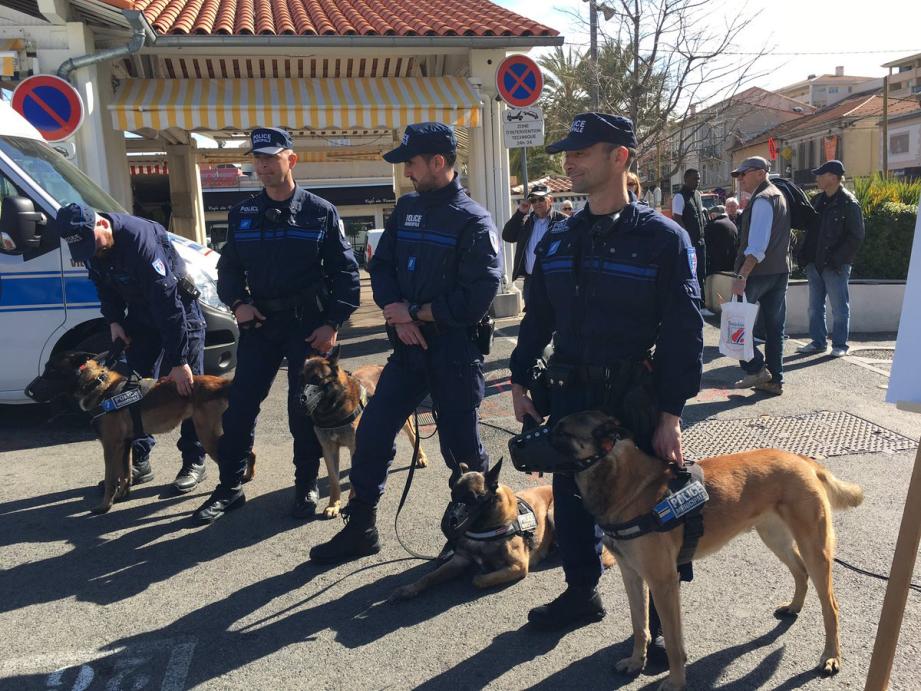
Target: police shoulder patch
column 692, row 260
column 494, row 239
column 159, row 266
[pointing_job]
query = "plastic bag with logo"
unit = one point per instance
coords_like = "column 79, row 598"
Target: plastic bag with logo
column 737, row 323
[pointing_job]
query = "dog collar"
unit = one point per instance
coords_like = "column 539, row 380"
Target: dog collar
column 351, row 417
column 524, row 524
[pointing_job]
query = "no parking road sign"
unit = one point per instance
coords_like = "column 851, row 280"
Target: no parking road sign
column 519, row 81
column 50, row 104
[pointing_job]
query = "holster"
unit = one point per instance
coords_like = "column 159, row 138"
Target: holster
column 482, row 334
column 187, row 287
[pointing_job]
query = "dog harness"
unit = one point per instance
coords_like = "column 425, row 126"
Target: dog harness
column 525, row 525
column 683, row 503
column 128, row 393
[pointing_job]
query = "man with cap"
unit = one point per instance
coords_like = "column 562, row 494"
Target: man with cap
column 526, row 227
column 610, row 284
column 291, row 279
column 828, row 252
column 762, row 269
column 688, row 212
column 434, row 274
column 152, row 306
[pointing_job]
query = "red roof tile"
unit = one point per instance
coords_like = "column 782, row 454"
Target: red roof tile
column 556, row 183
column 336, row 17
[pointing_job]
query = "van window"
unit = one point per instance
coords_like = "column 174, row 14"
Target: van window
column 7, row 189
column 56, row 175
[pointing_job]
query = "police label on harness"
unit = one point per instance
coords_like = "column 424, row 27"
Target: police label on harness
column 122, row 400
column 690, row 497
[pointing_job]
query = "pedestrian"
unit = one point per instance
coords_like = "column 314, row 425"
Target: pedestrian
column 653, row 197
column 434, row 274
column 762, row 269
column 567, row 207
column 152, row 306
column 634, row 188
column 611, row 284
column 722, row 239
column 526, row 227
column 829, row 256
column 732, row 210
column 291, row 279
column 688, row 212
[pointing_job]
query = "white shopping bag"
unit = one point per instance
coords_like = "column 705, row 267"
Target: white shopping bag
column 737, row 325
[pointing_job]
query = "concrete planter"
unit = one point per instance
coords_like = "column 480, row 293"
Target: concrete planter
column 875, row 306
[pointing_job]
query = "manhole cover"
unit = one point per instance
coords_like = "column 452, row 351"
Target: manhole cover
column 815, row 434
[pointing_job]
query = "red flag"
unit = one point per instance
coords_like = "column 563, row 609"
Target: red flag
column 772, row 148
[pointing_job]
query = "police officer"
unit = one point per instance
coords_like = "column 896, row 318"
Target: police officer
column 434, row 274
column 151, row 305
column 291, row 279
column 611, row 283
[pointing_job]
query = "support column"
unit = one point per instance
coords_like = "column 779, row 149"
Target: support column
column 490, row 183
column 188, row 216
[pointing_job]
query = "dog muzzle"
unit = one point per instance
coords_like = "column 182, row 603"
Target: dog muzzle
column 311, row 397
column 460, row 517
column 533, row 452
column 40, row 391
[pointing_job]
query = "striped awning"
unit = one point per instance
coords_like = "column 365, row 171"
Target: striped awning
column 342, row 104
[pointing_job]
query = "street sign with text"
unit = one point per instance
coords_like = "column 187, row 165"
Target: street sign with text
column 523, row 127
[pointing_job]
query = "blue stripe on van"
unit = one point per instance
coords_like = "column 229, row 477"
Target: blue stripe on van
column 80, row 289
column 23, row 292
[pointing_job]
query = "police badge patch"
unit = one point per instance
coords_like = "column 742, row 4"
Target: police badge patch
column 494, row 240
column 158, row 266
column 692, row 261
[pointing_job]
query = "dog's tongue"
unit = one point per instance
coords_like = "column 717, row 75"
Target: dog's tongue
column 310, row 398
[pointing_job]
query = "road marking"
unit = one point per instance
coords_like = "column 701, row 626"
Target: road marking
column 853, row 359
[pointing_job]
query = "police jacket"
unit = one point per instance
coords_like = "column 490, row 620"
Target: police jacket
column 439, row 247
column 607, row 292
column 518, row 230
column 292, row 250
column 140, row 274
column 840, row 229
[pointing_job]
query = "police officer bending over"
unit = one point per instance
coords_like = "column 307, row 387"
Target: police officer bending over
column 291, row 279
column 434, row 274
column 610, row 283
column 152, row 306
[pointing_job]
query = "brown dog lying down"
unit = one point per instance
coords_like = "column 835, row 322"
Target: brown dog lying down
column 336, row 413
column 787, row 498
column 162, row 410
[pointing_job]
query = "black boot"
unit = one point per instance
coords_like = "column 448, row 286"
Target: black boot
column 306, row 498
column 357, row 539
column 576, row 606
column 141, row 472
column 655, row 651
column 191, row 473
column 220, row 502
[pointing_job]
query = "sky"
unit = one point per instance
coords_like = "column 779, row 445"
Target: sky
column 845, row 33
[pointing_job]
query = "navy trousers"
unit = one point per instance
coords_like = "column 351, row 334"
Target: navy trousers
column 259, row 356
column 146, row 357
column 452, row 372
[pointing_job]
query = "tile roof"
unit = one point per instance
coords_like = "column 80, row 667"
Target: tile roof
column 556, row 183
column 335, row 18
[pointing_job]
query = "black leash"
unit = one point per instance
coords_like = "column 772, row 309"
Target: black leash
column 409, row 482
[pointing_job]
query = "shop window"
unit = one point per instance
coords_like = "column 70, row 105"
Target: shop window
column 899, row 143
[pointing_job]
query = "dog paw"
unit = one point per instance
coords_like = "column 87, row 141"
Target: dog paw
column 100, row 509
column 407, row 592
column 331, row 511
column 829, row 666
column 630, row 665
column 786, row 612
column 422, row 461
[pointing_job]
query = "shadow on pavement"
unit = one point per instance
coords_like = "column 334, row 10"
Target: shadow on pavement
column 34, row 426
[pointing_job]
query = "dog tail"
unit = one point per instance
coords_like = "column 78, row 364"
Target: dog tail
column 842, row 495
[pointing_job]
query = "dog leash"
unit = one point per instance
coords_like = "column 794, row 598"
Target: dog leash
column 409, row 482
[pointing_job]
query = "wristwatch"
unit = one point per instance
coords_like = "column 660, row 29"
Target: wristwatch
column 414, row 312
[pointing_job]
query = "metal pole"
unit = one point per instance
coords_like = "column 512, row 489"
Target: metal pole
column 886, row 125
column 593, row 51
column 524, row 171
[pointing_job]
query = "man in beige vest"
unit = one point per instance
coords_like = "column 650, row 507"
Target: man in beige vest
column 762, row 270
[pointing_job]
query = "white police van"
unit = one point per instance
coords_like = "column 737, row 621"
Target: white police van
column 47, row 301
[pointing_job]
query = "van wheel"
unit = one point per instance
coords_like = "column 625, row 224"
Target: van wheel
column 98, row 342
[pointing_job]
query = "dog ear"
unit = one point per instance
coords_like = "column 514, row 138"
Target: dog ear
column 333, row 356
column 456, row 473
column 607, row 433
column 492, row 476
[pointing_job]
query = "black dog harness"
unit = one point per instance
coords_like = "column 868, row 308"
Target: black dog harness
column 128, row 394
column 683, row 503
column 525, row 524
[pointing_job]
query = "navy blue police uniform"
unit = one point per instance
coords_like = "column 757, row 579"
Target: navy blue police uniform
column 139, row 284
column 438, row 247
column 618, row 296
column 291, row 260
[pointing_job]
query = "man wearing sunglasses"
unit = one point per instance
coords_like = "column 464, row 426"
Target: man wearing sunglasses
column 526, row 227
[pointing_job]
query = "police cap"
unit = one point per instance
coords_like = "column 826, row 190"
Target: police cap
column 591, row 128
column 423, row 138
column 270, row 141
column 77, row 223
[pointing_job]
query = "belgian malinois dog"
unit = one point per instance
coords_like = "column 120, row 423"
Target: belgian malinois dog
column 89, row 382
column 335, row 403
column 788, row 499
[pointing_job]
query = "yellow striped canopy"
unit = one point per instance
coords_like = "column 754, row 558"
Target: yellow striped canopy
column 10, row 49
column 341, row 104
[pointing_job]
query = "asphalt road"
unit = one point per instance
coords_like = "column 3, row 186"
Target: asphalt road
column 142, row 599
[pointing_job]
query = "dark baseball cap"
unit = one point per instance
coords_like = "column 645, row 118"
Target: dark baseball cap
column 751, row 163
column 77, row 223
column 833, row 166
column 538, row 191
column 423, row 138
column 270, row 140
column 591, row 128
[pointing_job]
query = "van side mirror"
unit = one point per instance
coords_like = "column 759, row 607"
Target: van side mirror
column 19, row 219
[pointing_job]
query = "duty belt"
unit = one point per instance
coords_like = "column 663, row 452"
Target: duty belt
column 306, row 298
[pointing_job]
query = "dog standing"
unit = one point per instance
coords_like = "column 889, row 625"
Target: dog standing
column 162, row 409
column 788, row 499
column 336, row 410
